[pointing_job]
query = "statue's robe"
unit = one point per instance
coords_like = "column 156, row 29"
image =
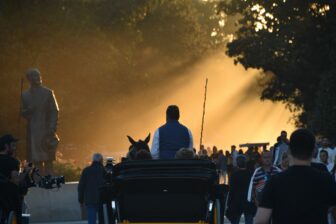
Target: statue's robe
column 41, row 122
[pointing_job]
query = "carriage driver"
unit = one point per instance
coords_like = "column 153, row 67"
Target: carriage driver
column 171, row 137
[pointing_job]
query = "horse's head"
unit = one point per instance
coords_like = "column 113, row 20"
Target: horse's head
column 137, row 145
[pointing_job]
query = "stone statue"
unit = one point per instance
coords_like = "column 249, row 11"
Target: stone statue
column 40, row 109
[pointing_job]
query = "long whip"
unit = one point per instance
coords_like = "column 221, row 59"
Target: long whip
column 205, row 95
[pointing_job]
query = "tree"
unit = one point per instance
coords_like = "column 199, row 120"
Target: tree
column 95, row 53
column 293, row 43
column 324, row 116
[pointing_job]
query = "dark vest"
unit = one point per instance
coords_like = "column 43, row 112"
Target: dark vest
column 172, row 137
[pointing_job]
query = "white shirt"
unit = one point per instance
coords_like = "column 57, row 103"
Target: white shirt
column 156, row 144
column 279, row 151
column 330, row 166
column 234, row 158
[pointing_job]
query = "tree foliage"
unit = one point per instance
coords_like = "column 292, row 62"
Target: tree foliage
column 94, row 53
column 68, row 170
column 293, row 42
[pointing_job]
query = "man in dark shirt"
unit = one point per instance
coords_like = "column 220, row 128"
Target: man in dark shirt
column 237, row 200
column 9, row 166
column 300, row 194
column 92, row 178
column 10, row 198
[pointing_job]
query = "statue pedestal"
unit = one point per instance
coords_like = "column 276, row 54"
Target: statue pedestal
column 55, row 204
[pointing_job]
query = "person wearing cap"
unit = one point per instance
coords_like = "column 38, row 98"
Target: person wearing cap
column 40, row 109
column 171, row 137
column 10, row 197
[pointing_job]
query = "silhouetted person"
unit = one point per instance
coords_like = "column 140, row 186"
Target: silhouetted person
column 40, row 109
column 214, row 154
column 10, row 197
column 92, row 178
column 324, row 158
column 234, row 155
column 261, row 176
column 325, row 145
column 185, row 153
column 300, row 194
column 222, row 164
column 170, row 137
column 109, row 164
column 229, row 163
column 317, row 165
column 279, row 148
column 237, row 199
column 284, row 161
column 203, row 154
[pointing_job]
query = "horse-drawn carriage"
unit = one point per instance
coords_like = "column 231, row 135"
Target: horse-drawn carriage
column 163, row 191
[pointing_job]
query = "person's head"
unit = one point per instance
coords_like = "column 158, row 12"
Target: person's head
column 325, row 142
column 143, row 154
column 283, row 135
column 324, row 156
column 220, row 151
column 97, row 158
column 8, row 144
column 227, row 153
column 301, row 144
column 284, row 161
column 233, row 148
column 241, row 162
column 172, row 113
column 214, row 149
column 266, row 158
column 109, row 161
column 185, row 153
column 203, row 154
column 34, row 77
column 240, row 152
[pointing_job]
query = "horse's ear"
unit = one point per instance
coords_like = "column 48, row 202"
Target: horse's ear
column 131, row 140
column 148, row 138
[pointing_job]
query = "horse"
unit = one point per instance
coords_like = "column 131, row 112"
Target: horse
column 137, row 146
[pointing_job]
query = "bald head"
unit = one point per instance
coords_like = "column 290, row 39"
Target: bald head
column 34, row 77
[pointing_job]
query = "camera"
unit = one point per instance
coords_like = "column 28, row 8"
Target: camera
column 50, row 182
column 46, row 182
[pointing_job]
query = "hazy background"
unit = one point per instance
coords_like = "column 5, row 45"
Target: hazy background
column 116, row 65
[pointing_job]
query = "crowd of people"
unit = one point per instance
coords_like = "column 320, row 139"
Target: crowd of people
column 291, row 182
column 294, row 181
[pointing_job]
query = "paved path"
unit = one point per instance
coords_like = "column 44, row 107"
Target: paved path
column 85, row 222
